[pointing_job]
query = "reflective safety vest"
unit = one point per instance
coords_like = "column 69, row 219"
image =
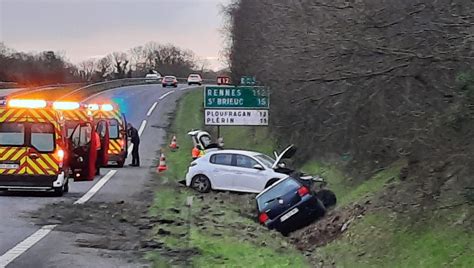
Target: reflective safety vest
column 98, row 147
column 196, row 153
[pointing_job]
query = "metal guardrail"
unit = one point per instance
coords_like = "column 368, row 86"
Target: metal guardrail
column 102, row 86
column 81, row 89
column 22, row 91
column 8, row 85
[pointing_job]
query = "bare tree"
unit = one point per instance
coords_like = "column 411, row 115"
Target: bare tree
column 104, row 67
column 120, row 61
column 87, row 69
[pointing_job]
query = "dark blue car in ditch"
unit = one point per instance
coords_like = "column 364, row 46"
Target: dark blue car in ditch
column 289, row 204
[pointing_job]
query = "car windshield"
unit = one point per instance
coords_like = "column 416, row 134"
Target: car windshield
column 194, row 76
column 169, row 78
column 282, row 188
column 265, row 159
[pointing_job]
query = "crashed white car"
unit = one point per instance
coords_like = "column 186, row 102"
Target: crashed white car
column 236, row 170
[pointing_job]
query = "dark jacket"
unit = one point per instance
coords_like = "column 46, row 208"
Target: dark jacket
column 133, row 134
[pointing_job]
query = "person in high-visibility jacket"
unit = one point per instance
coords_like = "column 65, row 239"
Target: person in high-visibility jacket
column 197, row 152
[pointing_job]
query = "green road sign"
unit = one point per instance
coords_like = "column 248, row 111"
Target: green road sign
column 241, row 97
column 248, row 81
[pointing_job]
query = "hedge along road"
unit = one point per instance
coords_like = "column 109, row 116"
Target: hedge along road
column 23, row 244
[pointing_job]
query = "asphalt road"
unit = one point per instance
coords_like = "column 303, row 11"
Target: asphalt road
column 57, row 248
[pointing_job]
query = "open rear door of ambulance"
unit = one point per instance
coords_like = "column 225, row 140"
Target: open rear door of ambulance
column 103, row 131
column 83, row 152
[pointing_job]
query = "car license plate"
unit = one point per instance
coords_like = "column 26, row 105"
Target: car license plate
column 9, row 166
column 289, row 214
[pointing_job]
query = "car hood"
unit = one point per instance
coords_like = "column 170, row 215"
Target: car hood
column 289, row 152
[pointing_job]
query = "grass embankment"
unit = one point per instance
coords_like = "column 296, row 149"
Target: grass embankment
column 221, row 231
column 224, row 235
column 383, row 238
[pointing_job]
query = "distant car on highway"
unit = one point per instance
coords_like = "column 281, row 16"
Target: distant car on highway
column 169, row 80
column 194, row 79
column 235, row 170
column 288, row 205
column 153, row 78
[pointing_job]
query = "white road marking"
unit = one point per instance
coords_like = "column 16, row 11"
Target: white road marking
column 166, row 94
column 140, row 131
column 152, row 108
column 95, row 188
column 142, row 127
column 24, row 245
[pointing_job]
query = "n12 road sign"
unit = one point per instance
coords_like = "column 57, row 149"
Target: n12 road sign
column 241, row 97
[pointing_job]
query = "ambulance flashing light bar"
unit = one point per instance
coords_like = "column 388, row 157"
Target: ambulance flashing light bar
column 26, row 103
column 103, row 107
column 66, row 105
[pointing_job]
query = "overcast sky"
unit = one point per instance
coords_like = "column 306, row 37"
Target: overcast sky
column 93, row 28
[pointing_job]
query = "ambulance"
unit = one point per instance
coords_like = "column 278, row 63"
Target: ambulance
column 118, row 137
column 35, row 151
column 77, row 114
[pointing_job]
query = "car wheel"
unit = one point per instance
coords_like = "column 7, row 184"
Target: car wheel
column 175, row 85
column 190, row 84
column 58, row 191
column 120, row 163
column 327, row 197
column 270, row 182
column 164, row 85
column 66, row 186
column 201, row 184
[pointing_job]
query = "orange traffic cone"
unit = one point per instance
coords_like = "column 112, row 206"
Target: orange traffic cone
column 162, row 166
column 173, row 144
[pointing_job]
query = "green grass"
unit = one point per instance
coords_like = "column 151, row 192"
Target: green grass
column 230, row 252
column 225, row 241
column 379, row 240
column 345, row 187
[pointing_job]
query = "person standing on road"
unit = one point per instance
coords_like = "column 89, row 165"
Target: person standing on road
column 135, row 139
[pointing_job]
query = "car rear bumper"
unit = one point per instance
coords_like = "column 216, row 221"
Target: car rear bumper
column 308, row 210
column 27, row 181
column 117, row 157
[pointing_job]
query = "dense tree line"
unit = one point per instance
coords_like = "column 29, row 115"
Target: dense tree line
column 373, row 81
column 140, row 60
column 50, row 67
column 46, row 67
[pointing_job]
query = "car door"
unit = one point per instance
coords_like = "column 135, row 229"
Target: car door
column 124, row 134
column 102, row 129
column 247, row 178
column 84, row 154
column 221, row 171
